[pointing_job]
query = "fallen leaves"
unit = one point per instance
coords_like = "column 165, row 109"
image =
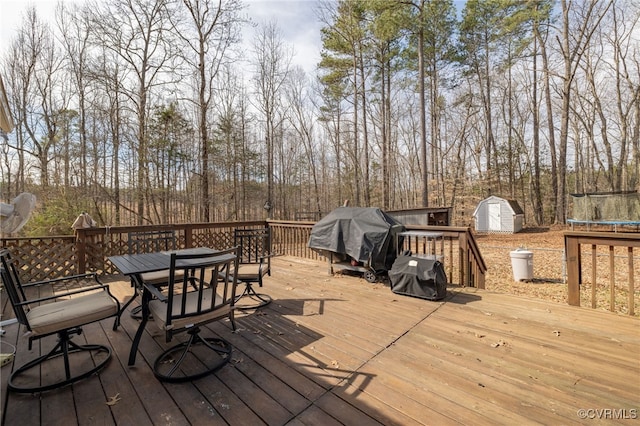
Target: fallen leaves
column 113, row 400
column 549, row 273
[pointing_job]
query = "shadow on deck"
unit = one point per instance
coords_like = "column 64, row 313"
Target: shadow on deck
column 338, row 350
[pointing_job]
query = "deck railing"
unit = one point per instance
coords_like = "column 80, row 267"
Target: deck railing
column 618, row 249
column 89, row 249
column 43, row 258
column 462, row 258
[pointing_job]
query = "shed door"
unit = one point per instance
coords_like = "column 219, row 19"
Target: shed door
column 494, row 217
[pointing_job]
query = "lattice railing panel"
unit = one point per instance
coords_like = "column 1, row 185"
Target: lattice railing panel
column 44, row 259
column 219, row 240
column 112, row 247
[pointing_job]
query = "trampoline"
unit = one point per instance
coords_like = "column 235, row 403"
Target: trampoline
column 614, row 209
column 614, row 223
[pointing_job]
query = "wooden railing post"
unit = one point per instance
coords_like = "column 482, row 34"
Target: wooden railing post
column 81, row 250
column 188, row 236
column 631, row 281
column 463, row 248
column 612, row 280
column 572, row 247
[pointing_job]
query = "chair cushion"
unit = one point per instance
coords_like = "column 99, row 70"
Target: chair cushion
column 158, row 309
column 250, row 271
column 68, row 313
column 159, row 277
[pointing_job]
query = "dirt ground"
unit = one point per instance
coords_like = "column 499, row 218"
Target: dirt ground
column 549, row 275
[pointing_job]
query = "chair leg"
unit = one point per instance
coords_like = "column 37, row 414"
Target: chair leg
column 250, row 293
column 63, row 348
column 232, row 318
column 146, row 297
column 168, row 366
column 116, row 323
column 136, row 312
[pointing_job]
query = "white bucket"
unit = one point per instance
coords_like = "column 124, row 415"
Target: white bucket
column 522, row 264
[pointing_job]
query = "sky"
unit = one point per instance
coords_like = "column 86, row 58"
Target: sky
column 296, row 19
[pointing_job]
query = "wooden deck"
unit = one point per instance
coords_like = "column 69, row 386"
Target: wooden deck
column 338, row 350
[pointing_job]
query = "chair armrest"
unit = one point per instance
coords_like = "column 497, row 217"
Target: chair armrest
column 62, row 279
column 263, row 258
column 155, row 291
column 66, row 293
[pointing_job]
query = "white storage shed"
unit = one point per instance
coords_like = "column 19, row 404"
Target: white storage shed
column 495, row 214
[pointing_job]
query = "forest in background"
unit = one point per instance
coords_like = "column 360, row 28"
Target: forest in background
column 150, row 111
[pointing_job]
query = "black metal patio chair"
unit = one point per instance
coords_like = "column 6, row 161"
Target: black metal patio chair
column 62, row 308
column 254, row 264
column 200, row 290
column 148, row 242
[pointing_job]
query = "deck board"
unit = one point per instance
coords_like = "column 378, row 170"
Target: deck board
column 339, row 350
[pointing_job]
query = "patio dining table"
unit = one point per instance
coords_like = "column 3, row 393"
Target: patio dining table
column 134, row 266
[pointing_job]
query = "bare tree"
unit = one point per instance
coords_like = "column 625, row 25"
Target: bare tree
column 579, row 21
column 35, row 64
column 331, row 118
column 84, row 94
column 302, row 117
column 272, row 62
column 625, row 24
column 137, row 32
column 74, row 25
column 209, row 30
column 234, row 154
column 420, row 5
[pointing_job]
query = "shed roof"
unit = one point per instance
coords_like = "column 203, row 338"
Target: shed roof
column 513, row 204
column 515, row 207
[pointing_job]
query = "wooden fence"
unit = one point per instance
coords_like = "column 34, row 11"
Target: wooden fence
column 610, row 273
